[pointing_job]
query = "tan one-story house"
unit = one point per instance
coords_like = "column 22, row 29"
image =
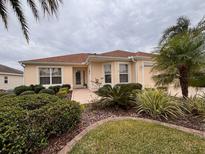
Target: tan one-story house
column 10, row 77
column 90, row 70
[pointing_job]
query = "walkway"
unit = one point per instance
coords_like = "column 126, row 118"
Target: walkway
column 83, row 96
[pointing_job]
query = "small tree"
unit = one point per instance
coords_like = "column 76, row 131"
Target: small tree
column 180, row 54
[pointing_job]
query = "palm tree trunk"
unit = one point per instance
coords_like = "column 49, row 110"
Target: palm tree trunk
column 183, row 79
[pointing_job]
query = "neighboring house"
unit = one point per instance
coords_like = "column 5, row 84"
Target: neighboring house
column 84, row 69
column 10, row 77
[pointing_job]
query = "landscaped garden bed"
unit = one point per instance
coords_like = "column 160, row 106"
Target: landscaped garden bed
column 90, row 116
column 45, row 123
column 129, row 100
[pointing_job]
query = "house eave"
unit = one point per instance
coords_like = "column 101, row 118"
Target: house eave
column 140, row 58
column 13, row 74
column 48, row 63
column 91, row 58
column 95, row 58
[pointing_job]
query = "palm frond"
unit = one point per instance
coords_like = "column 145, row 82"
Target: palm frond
column 34, row 9
column 169, row 32
column 183, row 23
column 3, row 12
column 201, row 25
column 50, row 6
column 16, row 5
column 181, row 26
column 164, row 79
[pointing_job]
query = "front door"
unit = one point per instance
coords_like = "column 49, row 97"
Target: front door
column 78, row 78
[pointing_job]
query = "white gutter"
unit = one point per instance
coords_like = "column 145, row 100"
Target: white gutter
column 52, row 63
column 14, row 74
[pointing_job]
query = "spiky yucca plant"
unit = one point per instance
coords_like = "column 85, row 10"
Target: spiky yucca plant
column 195, row 106
column 158, row 105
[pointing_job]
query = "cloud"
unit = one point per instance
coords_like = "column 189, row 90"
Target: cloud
column 95, row 26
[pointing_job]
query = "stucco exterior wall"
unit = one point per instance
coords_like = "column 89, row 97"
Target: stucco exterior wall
column 95, row 73
column 31, row 74
column 148, row 81
column 139, row 72
column 144, row 74
column 95, row 70
column 192, row 91
column 13, row 81
column 67, row 72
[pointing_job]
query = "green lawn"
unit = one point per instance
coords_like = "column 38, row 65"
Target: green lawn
column 130, row 136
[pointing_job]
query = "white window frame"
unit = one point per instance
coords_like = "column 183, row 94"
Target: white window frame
column 50, row 75
column 128, row 72
column 107, row 74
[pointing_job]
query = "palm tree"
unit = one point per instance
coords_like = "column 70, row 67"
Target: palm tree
column 49, row 7
column 180, row 54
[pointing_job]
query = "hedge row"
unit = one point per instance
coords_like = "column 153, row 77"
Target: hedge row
column 26, row 122
column 25, row 90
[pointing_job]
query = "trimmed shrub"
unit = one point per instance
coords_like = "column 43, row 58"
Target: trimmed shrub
column 63, row 92
column 8, row 95
column 37, row 88
column 18, row 90
column 28, row 121
column 135, row 86
column 158, row 105
column 29, row 92
column 47, row 91
column 3, row 93
column 122, row 96
column 55, row 88
column 66, row 86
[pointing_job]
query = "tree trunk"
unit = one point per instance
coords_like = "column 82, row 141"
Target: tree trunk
column 183, row 79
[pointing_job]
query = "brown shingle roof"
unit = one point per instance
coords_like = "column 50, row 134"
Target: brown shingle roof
column 143, row 54
column 81, row 57
column 118, row 53
column 6, row 69
column 74, row 58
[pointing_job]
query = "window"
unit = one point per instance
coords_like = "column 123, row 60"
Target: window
column 123, row 73
column 50, row 76
column 56, row 75
column 107, row 72
column 6, row 79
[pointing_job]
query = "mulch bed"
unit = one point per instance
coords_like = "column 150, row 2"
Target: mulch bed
column 91, row 116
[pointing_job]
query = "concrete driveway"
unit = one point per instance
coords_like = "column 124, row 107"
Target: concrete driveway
column 83, row 96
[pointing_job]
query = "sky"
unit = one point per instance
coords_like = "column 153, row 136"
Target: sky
column 94, row 26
